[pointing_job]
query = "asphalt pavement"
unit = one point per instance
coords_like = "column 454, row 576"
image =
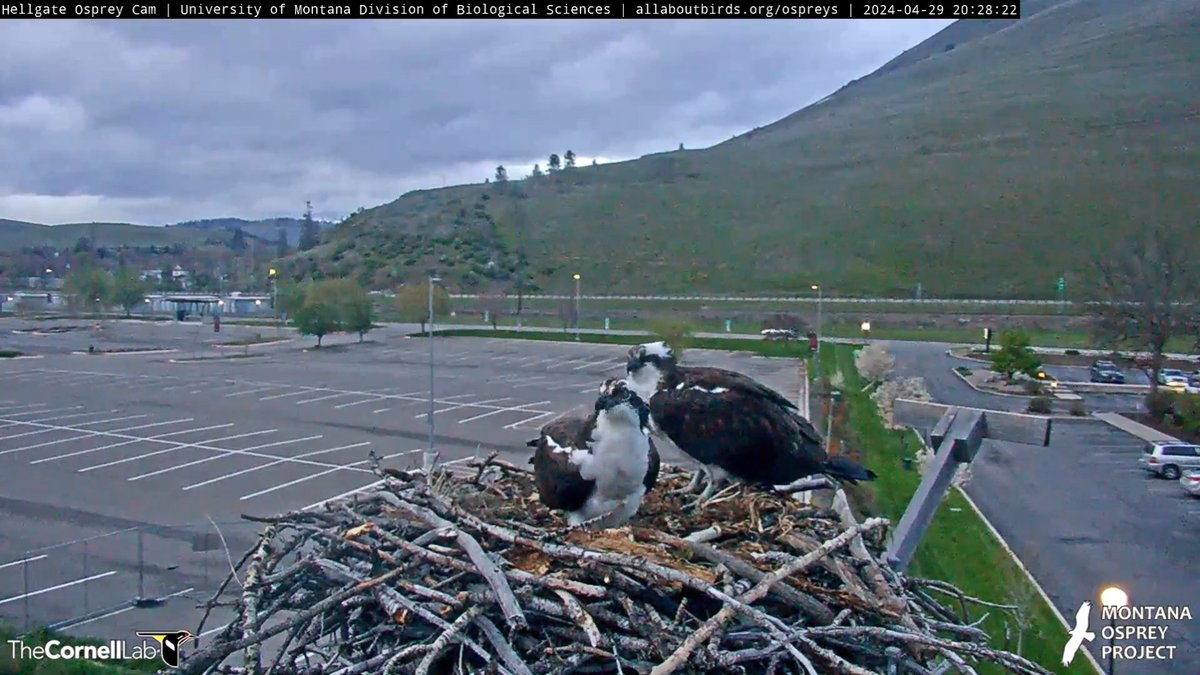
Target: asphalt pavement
column 121, row 473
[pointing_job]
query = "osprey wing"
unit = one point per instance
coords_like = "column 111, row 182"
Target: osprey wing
column 559, row 484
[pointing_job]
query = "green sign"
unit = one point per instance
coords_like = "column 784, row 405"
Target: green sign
column 1062, row 284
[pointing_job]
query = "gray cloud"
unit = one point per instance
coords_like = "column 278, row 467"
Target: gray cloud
column 161, row 121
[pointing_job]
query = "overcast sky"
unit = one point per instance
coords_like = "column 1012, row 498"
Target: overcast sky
column 159, row 121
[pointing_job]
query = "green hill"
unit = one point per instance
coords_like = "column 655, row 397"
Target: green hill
column 986, row 161
column 16, row 234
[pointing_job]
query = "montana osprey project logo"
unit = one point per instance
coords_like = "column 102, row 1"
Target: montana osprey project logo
column 1079, row 633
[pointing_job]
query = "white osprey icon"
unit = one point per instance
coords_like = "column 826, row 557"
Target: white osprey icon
column 1079, row 633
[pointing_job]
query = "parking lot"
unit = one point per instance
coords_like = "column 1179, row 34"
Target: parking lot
column 177, row 450
column 1101, row 521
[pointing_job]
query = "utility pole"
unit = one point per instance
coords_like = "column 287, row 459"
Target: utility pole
column 817, row 354
column 577, row 317
column 429, row 457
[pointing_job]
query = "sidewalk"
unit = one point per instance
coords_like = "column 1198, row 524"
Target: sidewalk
column 1134, row 428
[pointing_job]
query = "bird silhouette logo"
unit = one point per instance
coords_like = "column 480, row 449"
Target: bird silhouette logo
column 170, row 641
column 1079, row 633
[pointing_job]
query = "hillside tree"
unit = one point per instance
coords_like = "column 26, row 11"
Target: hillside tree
column 320, row 313
column 537, row 171
column 555, row 164
column 501, row 174
column 1014, row 355
column 128, row 290
column 358, row 310
column 238, row 241
column 1144, row 294
column 308, row 229
column 88, row 289
column 569, row 158
column 281, row 242
column 412, row 303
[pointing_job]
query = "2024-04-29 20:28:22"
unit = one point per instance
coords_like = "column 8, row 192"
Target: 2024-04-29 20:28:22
column 938, row 10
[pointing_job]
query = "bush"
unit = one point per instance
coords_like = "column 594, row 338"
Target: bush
column 1159, row 403
column 1072, row 352
column 1186, row 413
column 9, row 353
column 1035, row 387
column 1078, row 409
column 874, row 363
column 962, row 370
column 1041, row 405
column 1015, row 356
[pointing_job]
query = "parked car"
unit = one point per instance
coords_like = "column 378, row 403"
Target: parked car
column 1168, row 459
column 1191, row 482
column 778, row 334
column 1173, row 378
column 1107, row 372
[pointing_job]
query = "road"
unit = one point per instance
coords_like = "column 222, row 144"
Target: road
column 1079, row 513
column 178, row 450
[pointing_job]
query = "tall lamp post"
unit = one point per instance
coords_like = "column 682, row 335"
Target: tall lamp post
column 576, row 276
column 1112, row 597
column 429, row 457
column 817, row 355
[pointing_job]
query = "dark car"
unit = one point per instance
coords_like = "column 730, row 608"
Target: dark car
column 1107, row 372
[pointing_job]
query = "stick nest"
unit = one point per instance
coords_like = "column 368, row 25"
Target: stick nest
column 468, row 572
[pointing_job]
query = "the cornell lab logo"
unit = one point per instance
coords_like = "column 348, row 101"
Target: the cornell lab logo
column 171, row 641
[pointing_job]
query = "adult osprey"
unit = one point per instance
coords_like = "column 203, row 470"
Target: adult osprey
column 601, row 466
column 730, row 423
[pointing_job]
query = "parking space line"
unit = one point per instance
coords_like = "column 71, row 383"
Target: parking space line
column 322, row 398
column 303, row 391
column 77, row 424
column 23, row 405
column 514, row 425
column 122, row 610
column 374, row 397
column 84, row 433
column 531, row 381
column 462, row 405
column 245, row 452
column 343, row 495
column 277, row 462
column 520, row 408
column 573, row 385
column 248, row 391
column 322, row 473
column 177, row 447
column 155, row 437
column 22, row 561
column 607, row 359
column 68, row 584
column 567, row 363
column 381, row 410
column 44, row 411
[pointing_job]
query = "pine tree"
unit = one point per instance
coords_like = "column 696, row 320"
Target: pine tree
column 570, row 159
column 554, row 163
column 308, row 231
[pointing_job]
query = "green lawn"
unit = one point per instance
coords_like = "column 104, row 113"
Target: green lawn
column 25, row 666
column 958, row 547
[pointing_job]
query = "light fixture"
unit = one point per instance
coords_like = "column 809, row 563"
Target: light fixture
column 576, row 276
column 866, row 326
column 1114, row 597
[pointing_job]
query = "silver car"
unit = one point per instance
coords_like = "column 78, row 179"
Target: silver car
column 1168, row 459
column 1191, row 482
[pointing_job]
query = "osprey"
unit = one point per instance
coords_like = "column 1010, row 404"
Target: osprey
column 730, row 423
column 600, row 466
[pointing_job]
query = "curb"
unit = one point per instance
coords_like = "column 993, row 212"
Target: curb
column 19, row 358
column 256, row 344
column 1028, row 575
column 985, row 391
column 210, row 359
column 130, row 353
column 1134, row 428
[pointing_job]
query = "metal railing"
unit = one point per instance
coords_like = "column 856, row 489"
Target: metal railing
column 87, row 580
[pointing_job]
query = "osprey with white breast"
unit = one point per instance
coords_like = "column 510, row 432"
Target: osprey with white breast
column 730, row 423
column 601, row 466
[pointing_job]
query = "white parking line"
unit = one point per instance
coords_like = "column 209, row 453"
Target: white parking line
column 301, row 392
column 246, row 452
column 531, row 381
column 248, row 391
column 322, row 398
column 49, row 410
column 177, row 448
column 574, row 385
column 374, row 397
column 68, row 584
column 115, row 612
column 381, row 410
column 89, row 451
column 567, row 363
column 345, row 494
column 514, row 425
column 519, row 408
column 8, row 408
column 326, row 472
column 77, row 424
column 84, row 433
column 22, row 561
column 597, row 363
column 277, row 462
column 462, row 405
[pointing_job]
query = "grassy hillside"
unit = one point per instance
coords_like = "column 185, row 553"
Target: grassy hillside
column 15, row 235
column 986, row 169
column 266, row 229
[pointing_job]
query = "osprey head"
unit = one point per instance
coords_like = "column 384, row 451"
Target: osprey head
column 617, row 399
column 657, row 354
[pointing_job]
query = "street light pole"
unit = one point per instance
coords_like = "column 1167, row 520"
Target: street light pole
column 817, row 354
column 577, row 317
column 1112, row 597
column 428, row 457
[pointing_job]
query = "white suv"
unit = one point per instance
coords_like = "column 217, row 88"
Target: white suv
column 1168, row 459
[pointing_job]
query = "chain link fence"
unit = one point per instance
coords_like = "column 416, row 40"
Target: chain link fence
column 100, row 582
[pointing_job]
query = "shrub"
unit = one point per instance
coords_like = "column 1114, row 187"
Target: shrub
column 1041, row 405
column 1159, row 403
column 1072, row 352
column 962, row 370
column 1014, row 355
column 1034, row 387
column 874, row 363
column 9, row 353
column 1078, row 409
column 1186, row 413
column 902, row 387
